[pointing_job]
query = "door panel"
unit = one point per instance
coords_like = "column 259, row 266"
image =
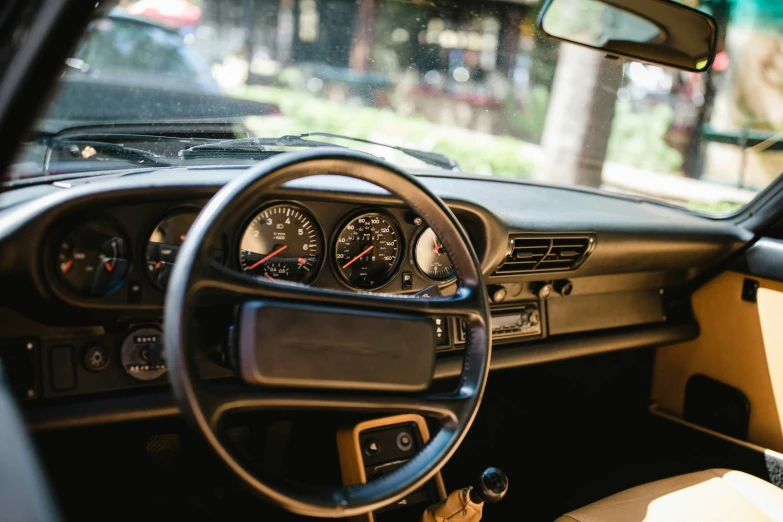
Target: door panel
column 740, row 344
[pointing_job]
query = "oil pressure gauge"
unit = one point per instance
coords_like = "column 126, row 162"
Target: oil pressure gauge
column 431, row 257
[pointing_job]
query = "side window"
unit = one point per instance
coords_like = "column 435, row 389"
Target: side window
column 744, row 95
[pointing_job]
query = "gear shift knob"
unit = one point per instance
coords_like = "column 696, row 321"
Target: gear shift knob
column 491, row 486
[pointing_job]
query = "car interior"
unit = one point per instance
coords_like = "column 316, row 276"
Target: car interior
column 344, row 337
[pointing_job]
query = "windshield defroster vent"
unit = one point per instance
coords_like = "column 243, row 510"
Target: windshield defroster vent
column 545, row 254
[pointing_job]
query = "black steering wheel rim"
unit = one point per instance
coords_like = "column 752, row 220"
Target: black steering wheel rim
column 195, row 272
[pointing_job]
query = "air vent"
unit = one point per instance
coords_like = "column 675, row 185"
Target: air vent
column 546, row 254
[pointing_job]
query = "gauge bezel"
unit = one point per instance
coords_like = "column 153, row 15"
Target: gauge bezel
column 57, row 279
column 336, row 235
column 183, row 209
column 412, row 255
column 290, row 203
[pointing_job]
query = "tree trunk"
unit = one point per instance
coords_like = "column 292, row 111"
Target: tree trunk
column 579, row 118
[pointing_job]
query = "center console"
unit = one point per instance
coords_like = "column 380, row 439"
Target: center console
column 377, row 447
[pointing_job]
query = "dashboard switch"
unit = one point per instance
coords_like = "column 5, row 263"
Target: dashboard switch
column 63, row 368
column 371, row 447
column 441, row 331
column 96, row 358
column 407, row 280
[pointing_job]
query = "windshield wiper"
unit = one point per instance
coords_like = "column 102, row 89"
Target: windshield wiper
column 257, row 148
column 94, row 150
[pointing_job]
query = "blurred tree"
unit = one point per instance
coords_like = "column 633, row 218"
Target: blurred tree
column 582, row 101
column 579, row 119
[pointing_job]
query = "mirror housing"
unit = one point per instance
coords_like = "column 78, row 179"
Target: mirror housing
column 659, row 32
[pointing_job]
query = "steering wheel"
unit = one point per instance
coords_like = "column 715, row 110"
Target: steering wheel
column 326, row 374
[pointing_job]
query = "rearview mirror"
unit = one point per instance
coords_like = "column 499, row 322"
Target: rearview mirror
column 654, row 31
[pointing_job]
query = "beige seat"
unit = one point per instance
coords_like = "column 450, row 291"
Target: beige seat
column 715, row 495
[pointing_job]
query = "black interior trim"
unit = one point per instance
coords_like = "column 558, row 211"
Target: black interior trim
column 578, row 345
column 93, row 411
column 763, row 259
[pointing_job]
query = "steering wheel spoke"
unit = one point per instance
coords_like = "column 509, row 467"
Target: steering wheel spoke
column 218, row 281
column 220, row 400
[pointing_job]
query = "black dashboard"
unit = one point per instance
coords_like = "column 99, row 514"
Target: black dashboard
column 84, row 264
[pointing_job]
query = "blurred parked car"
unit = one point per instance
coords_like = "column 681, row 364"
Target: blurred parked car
column 131, row 48
column 130, row 76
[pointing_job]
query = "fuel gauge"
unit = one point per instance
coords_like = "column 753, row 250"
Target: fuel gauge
column 164, row 243
column 93, row 259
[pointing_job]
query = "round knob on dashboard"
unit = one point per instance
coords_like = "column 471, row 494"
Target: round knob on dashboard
column 497, row 293
column 564, row 287
column 541, row 290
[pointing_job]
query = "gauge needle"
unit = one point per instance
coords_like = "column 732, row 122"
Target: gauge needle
column 269, row 277
column 349, row 263
column 437, row 248
column 109, row 266
column 267, row 258
column 67, row 266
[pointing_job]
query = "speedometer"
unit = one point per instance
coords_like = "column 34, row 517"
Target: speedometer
column 368, row 251
column 282, row 242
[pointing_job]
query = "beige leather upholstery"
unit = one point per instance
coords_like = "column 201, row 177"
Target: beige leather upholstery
column 715, row 495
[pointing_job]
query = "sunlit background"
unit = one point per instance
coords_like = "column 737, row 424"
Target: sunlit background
column 474, row 81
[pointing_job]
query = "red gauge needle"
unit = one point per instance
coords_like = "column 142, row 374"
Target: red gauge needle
column 157, row 265
column 349, row 263
column 437, row 248
column 109, row 266
column 269, row 277
column 302, row 261
column 67, row 266
column 267, row 258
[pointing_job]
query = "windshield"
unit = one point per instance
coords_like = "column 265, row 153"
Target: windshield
column 472, row 81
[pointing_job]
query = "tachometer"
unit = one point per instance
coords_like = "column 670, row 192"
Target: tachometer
column 368, row 251
column 283, row 242
column 431, row 257
column 93, row 259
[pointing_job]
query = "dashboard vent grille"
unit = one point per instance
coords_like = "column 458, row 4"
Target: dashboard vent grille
column 545, row 254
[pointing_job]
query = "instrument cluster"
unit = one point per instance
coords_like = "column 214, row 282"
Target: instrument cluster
column 364, row 249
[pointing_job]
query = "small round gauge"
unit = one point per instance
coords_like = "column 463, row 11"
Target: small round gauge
column 431, row 257
column 283, row 242
column 164, row 243
column 93, row 259
column 142, row 354
column 368, row 251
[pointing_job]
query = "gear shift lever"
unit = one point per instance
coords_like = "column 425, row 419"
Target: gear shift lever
column 467, row 504
column 490, row 487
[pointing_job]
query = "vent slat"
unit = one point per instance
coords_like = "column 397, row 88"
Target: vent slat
column 534, row 253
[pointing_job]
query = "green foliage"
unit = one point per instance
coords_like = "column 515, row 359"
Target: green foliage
column 476, row 152
column 529, row 122
column 722, row 207
column 638, row 138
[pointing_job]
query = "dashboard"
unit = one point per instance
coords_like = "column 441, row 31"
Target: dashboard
column 85, row 264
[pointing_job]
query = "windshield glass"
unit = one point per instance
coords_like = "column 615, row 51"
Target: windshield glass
column 472, row 80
